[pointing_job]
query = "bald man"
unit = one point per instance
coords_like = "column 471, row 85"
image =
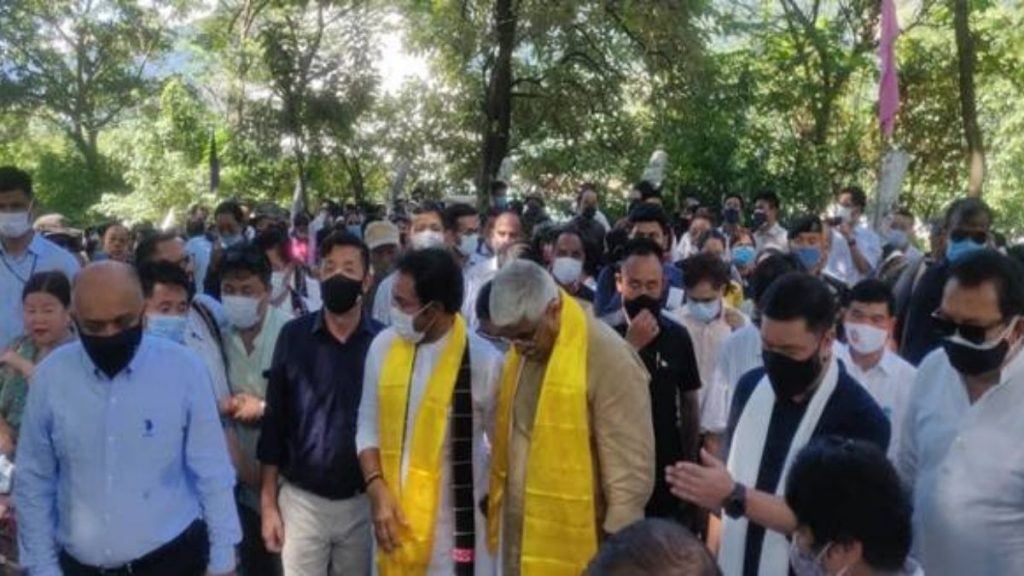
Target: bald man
column 122, row 466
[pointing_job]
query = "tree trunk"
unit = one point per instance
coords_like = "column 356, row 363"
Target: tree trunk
column 498, row 106
column 968, row 103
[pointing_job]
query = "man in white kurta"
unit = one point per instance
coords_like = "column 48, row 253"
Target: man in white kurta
column 485, row 372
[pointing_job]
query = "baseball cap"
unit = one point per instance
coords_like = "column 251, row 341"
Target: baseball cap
column 380, row 233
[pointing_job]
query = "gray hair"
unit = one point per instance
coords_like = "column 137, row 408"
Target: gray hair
column 521, row 291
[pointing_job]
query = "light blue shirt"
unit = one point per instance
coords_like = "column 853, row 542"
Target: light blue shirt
column 199, row 249
column 41, row 256
column 110, row 470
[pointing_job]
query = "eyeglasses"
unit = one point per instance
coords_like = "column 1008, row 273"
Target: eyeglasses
column 977, row 236
column 972, row 333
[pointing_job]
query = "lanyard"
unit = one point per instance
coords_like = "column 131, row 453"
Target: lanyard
column 32, row 271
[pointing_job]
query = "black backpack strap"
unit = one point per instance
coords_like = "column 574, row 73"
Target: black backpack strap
column 462, row 469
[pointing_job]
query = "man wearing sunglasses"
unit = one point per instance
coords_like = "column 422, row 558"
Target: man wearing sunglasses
column 968, row 229
column 961, row 445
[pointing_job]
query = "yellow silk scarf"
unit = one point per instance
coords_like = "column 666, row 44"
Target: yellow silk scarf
column 559, row 527
column 419, row 492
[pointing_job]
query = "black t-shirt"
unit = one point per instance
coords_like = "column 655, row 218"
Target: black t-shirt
column 672, row 364
column 851, row 412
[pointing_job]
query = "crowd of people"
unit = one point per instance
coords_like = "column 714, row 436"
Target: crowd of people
column 432, row 389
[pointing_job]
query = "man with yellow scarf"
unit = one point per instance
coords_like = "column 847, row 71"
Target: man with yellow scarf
column 429, row 390
column 573, row 447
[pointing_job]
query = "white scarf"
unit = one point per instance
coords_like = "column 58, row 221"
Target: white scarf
column 745, row 464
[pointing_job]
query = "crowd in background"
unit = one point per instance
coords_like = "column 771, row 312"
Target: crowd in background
column 765, row 395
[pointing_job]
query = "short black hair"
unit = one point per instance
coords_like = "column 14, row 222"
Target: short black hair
column 768, row 196
column 13, row 178
column 1005, row 273
column 968, row 209
column 873, row 291
column 712, row 234
column 300, row 219
column 498, row 186
column 705, row 267
column 847, row 491
column 54, row 283
column 274, row 239
column 146, row 250
column 769, row 270
column 857, row 195
column 341, row 238
column 195, row 227
column 436, row 276
column 428, row 207
column 454, row 212
column 653, row 546
column 647, row 190
column 153, row 273
column 732, row 195
column 642, row 247
column 231, row 207
column 246, row 258
column 648, row 212
column 800, row 296
column 809, row 223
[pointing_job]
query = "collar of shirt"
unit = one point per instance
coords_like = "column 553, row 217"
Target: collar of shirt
column 35, row 247
column 320, row 325
column 133, row 365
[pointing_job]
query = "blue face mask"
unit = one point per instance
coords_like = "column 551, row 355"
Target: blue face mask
column 705, row 311
column 809, row 256
column 170, row 327
column 743, row 255
column 355, row 230
column 501, row 202
column 956, row 250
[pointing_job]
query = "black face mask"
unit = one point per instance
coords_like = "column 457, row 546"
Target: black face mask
column 589, row 212
column 758, row 220
column 970, row 361
column 731, row 215
column 112, row 354
column 790, row 377
column 340, row 293
column 639, row 304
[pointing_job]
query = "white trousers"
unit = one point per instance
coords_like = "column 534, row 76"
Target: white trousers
column 325, row 537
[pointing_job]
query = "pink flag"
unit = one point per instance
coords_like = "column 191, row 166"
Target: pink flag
column 888, row 88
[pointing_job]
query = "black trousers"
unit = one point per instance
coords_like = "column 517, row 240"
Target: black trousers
column 253, row 557
column 186, row 555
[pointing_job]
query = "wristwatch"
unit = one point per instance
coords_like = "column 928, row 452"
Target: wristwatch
column 735, row 505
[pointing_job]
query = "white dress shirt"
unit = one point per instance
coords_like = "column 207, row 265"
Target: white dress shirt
column 708, row 339
column 840, row 260
column 740, row 353
column 889, row 384
column 775, row 237
column 485, row 368
column 965, row 463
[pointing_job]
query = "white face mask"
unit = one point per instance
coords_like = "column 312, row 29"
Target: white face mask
column 468, row 244
column 14, row 224
column 567, row 271
column 864, row 338
column 277, row 285
column 242, row 312
column 404, row 325
column 846, row 213
column 427, row 239
column 705, row 311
